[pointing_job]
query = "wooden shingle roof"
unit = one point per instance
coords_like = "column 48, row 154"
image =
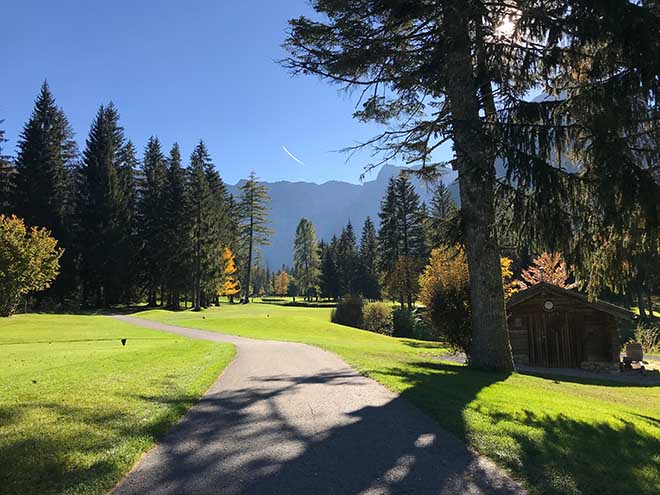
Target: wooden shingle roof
column 545, row 288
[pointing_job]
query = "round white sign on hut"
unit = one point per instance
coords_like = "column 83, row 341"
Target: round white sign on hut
column 549, row 305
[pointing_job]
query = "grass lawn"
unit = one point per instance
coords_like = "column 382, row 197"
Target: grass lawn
column 560, row 436
column 77, row 408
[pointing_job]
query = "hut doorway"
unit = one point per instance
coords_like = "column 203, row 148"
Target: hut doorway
column 553, row 342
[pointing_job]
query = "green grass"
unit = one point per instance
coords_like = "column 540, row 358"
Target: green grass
column 77, row 409
column 559, row 436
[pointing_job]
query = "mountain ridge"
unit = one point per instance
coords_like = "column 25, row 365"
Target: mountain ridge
column 329, row 206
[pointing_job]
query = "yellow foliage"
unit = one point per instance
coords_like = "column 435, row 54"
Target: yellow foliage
column 29, row 261
column 232, row 286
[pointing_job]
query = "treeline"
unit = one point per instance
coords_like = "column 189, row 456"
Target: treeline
column 384, row 264
column 134, row 226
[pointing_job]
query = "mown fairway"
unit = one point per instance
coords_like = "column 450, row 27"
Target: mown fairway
column 77, row 408
column 561, row 436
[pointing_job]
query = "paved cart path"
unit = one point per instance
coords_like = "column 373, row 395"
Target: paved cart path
column 287, row 418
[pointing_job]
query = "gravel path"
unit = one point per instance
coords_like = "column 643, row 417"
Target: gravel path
column 289, row 419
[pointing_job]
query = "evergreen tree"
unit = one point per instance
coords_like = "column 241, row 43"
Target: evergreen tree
column 402, row 239
column 253, row 225
column 152, row 214
column 6, row 178
column 46, row 151
column 176, row 230
column 389, row 235
column 347, row 262
column 369, row 283
column 128, row 229
column 43, row 179
column 206, row 195
column 443, row 210
column 104, row 210
column 306, row 262
column 329, row 280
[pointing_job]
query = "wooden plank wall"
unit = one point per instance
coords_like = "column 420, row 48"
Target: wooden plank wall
column 571, row 333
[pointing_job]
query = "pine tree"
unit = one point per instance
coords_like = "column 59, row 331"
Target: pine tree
column 176, row 230
column 388, row 234
column 443, row 211
column 46, row 151
column 402, row 239
column 43, row 179
column 369, row 283
column 152, row 214
column 329, row 280
column 347, row 262
column 253, row 225
column 206, row 195
column 6, row 178
column 104, row 210
column 306, row 262
column 475, row 65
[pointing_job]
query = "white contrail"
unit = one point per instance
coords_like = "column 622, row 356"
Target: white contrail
column 291, row 155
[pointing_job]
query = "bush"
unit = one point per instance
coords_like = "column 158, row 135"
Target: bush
column 29, row 261
column 404, row 322
column 348, row 312
column 648, row 335
column 377, row 317
column 445, row 291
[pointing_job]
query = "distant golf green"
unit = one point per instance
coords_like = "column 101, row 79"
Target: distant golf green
column 77, row 408
column 564, row 436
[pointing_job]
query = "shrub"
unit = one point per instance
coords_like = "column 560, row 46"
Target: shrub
column 404, row 323
column 445, row 291
column 648, row 335
column 29, row 261
column 377, row 317
column 348, row 312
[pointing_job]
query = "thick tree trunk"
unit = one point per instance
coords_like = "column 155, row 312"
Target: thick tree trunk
column 476, row 175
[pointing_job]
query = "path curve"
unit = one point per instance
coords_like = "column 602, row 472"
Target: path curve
column 287, row 418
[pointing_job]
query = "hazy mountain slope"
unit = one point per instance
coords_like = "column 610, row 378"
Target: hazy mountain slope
column 329, row 206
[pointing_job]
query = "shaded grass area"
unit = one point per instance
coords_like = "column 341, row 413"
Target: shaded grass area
column 557, row 435
column 77, row 408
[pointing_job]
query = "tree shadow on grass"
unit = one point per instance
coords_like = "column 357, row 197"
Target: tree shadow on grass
column 554, row 454
column 73, row 449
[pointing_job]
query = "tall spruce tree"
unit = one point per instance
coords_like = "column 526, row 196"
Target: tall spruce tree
column 329, row 279
column 253, row 226
column 206, row 196
column 152, row 214
column 306, row 262
column 443, row 211
column 46, row 151
column 43, row 180
column 348, row 269
column 402, row 240
column 6, row 178
column 104, row 211
column 176, row 230
column 388, row 234
column 368, row 258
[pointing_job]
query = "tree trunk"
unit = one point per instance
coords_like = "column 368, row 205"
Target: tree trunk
column 640, row 302
column 249, row 262
column 476, row 176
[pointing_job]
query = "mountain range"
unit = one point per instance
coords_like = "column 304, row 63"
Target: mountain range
column 329, row 206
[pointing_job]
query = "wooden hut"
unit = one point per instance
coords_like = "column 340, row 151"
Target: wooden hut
column 559, row 328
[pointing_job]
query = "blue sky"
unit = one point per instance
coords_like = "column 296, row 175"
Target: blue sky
column 182, row 71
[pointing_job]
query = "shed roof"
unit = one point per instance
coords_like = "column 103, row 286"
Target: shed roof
column 544, row 287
